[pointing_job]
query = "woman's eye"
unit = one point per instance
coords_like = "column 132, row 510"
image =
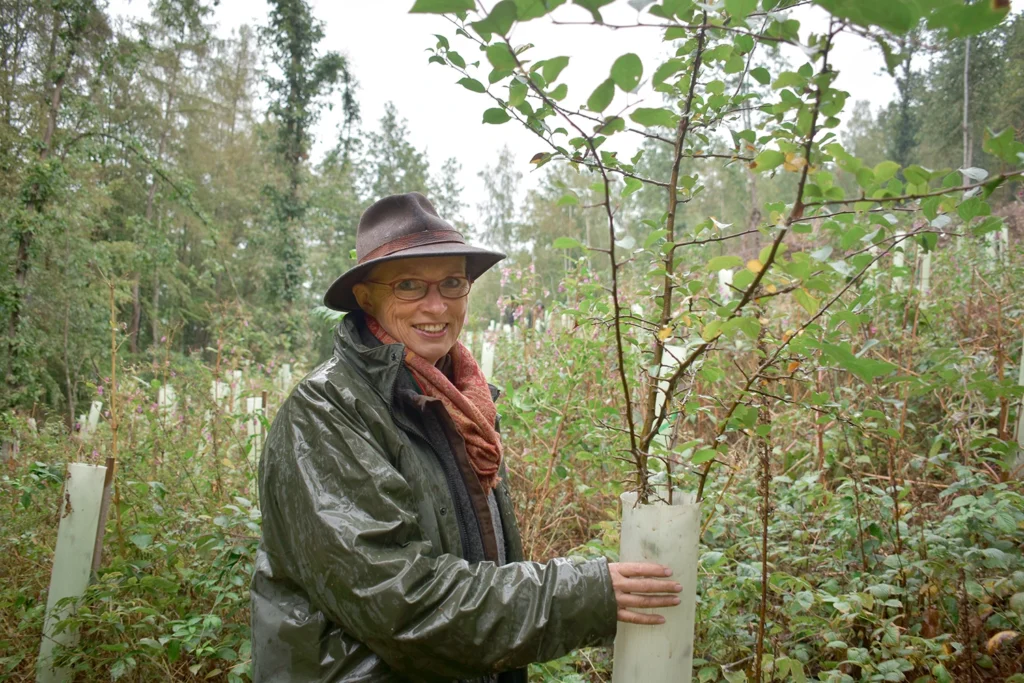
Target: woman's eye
column 451, row 282
column 408, row 285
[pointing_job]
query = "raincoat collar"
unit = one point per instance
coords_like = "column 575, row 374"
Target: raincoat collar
column 378, row 363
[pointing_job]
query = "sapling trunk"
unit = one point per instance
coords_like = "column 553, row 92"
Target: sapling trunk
column 115, row 419
column 764, row 452
column 1019, row 463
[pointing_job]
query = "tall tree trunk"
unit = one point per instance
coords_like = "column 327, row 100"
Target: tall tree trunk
column 35, row 204
column 133, row 334
column 154, row 317
column 968, row 152
column 749, row 242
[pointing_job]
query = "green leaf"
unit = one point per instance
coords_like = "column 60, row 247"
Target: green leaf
column 722, row 262
column 499, row 21
column 894, row 15
column 761, row 75
column 498, row 75
column 656, row 235
column 1004, row 145
column 740, row 8
column 627, row 71
column 553, row 67
column 747, row 325
column 442, row 6
column 501, row 57
column 866, row 369
column 804, row 599
column 916, row 174
column 496, row 115
column 142, row 541
column 885, row 170
column 593, row 6
column 472, row 84
column 666, row 70
column 455, row 58
column 567, row 243
column 703, row 455
column 649, row 117
column 612, row 124
column 743, row 43
column 965, row 20
column 808, row 302
column 789, row 79
column 602, row 96
column 768, row 159
column 534, row 9
column 990, row 224
column 632, row 185
column 900, row 16
column 969, row 208
column 516, row 93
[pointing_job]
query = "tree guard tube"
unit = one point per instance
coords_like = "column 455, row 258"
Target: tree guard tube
column 668, row 535
column 72, row 561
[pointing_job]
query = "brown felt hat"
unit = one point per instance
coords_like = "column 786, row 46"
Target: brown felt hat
column 403, row 226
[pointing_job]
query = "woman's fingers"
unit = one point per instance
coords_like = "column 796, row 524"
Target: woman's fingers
column 648, row 586
column 636, row 587
column 647, row 601
column 640, row 569
column 640, row 618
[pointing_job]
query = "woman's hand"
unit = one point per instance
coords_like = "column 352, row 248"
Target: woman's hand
column 636, row 586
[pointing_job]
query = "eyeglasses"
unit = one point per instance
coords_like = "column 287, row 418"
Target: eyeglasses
column 412, row 289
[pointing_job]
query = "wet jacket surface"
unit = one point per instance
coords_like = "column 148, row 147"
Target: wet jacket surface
column 379, row 563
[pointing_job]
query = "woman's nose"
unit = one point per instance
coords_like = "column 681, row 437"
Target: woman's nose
column 433, row 302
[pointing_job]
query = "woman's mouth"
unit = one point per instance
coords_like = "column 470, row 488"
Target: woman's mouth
column 432, row 330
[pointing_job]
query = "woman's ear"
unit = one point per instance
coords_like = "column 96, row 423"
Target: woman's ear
column 363, row 298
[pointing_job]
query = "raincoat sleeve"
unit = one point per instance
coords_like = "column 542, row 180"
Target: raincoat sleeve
column 339, row 519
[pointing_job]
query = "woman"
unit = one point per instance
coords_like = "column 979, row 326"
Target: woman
column 390, row 550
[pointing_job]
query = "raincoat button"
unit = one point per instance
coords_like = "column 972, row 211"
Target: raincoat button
column 444, row 511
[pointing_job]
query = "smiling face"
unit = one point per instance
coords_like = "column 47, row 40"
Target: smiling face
column 430, row 326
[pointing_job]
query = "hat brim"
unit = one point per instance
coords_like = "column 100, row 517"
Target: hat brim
column 339, row 295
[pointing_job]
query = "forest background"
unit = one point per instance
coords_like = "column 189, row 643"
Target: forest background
column 164, row 225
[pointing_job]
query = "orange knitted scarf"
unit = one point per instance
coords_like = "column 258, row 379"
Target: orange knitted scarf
column 466, row 397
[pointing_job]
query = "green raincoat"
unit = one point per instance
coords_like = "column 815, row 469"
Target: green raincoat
column 377, row 564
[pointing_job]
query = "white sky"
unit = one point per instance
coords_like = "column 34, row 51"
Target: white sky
column 387, row 47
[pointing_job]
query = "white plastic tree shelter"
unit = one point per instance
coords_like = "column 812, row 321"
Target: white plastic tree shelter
column 898, row 259
column 283, row 383
column 72, row 561
column 236, row 390
column 219, row 391
column 166, row 399
column 724, row 284
column 872, row 274
column 668, row 535
column 90, row 423
column 487, row 358
column 992, row 249
column 926, row 273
